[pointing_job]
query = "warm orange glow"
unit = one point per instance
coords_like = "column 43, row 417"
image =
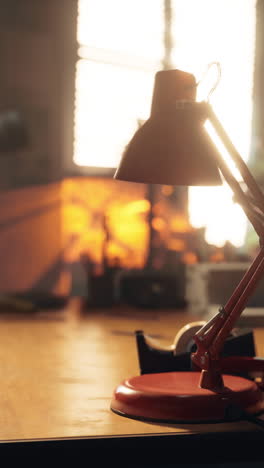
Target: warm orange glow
column 189, row 258
column 158, row 224
column 76, row 218
column 106, row 222
column 177, row 244
column 180, row 224
column 167, row 190
column 105, row 216
column 137, row 207
column 158, row 209
column 217, row 257
column 118, row 255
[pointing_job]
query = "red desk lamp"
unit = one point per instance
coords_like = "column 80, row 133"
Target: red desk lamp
column 173, row 148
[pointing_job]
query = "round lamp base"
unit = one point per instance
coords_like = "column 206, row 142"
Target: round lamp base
column 175, row 397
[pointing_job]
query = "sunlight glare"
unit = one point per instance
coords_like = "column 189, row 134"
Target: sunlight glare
column 220, row 31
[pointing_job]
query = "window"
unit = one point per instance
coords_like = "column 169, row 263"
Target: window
column 120, row 49
column 222, row 31
column 121, row 46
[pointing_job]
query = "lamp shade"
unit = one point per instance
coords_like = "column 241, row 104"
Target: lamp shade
column 172, row 147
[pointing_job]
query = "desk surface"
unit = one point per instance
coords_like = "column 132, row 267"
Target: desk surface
column 58, row 373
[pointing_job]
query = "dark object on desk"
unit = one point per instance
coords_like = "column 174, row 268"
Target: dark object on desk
column 101, row 291
column 151, row 289
column 44, row 300
column 155, row 360
column 101, row 287
column 31, row 302
column 13, row 304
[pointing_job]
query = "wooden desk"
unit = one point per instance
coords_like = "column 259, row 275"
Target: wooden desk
column 58, row 373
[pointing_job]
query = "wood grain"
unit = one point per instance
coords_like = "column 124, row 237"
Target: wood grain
column 58, row 375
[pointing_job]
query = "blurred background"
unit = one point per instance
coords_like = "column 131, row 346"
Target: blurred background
column 80, row 73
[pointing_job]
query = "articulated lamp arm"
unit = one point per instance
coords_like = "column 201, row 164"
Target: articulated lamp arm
column 210, row 338
column 172, row 148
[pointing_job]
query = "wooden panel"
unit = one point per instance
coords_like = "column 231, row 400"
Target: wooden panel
column 30, row 236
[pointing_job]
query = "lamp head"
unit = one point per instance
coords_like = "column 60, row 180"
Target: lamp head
column 172, row 147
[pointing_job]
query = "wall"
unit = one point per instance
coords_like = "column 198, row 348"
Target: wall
column 37, row 56
column 30, row 239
